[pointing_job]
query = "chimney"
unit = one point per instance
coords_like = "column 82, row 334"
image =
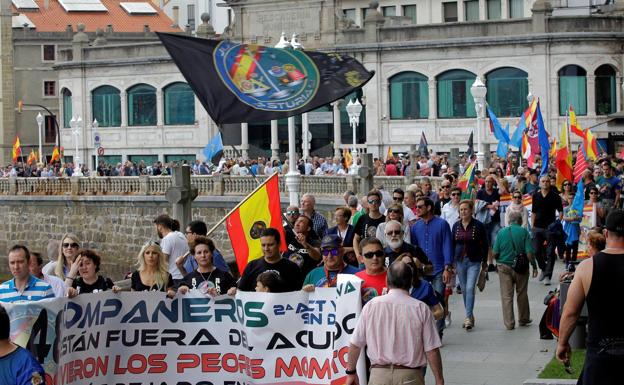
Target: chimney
column 176, row 16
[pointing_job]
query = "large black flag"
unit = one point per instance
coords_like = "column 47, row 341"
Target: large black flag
column 470, row 151
column 244, row 82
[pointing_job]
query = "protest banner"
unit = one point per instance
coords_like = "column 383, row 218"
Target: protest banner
column 587, row 223
column 148, row 339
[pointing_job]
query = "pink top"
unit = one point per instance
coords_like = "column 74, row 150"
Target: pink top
column 397, row 329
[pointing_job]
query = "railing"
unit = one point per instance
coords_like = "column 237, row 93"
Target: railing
column 206, row 185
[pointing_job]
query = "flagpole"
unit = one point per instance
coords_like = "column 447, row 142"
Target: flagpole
column 239, row 204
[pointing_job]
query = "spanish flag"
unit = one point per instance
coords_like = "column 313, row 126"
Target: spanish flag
column 32, row 157
column 56, row 155
column 590, row 145
column 390, row 154
column 465, row 180
column 17, row 149
column 258, row 211
column 563, row 160
column 574, row 126
column 348, row 158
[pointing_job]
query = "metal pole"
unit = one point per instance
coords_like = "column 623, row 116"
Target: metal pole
column 292, row 177
column 40, row 124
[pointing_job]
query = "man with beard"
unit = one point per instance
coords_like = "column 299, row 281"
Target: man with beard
column 397, row 247
column 173, row 243
column 302, row 248
column 333, row 264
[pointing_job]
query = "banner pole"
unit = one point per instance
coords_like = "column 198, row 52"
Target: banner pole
column 239, row 205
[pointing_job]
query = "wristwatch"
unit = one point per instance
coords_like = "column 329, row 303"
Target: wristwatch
column 350, row 372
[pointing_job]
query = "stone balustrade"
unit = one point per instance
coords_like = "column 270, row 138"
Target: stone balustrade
column 218, row 185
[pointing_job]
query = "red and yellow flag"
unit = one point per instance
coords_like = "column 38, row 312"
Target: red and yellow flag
column 563, row 159
column 32, row 157
column 390, row 154
column 258, row 211
column 574, row 126
column 580, row 166
column 467, row 178
column 17, row 149
column 590, row 145
column 56, row 155
column 348, row 158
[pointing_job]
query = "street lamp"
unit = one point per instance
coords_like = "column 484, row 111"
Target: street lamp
column 354, row 109
column 478, row 91
column 76, row 125
column 40, row 124
column 292, row 177
column 96, row 144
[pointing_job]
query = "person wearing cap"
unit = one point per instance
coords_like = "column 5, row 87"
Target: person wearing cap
column 596, row 281
column 333, row 264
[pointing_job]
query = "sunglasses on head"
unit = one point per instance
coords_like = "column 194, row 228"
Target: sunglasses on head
column 72, row 245
column 371, row 254
column 327, row 252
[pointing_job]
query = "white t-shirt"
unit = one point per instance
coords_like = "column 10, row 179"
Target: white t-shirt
column 58, row 286
column 174, row 245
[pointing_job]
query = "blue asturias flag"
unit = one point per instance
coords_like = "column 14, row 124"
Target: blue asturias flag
column 499, row 133
column 503, row 147
column 214, row 149
column 542, row 137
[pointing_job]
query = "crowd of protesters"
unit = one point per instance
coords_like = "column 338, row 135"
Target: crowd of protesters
column 440, row 239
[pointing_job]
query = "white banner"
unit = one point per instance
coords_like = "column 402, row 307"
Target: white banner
column 147, row 339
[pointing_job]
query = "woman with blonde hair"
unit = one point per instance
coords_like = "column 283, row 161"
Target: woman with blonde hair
column 68, row 250
column 153, row 271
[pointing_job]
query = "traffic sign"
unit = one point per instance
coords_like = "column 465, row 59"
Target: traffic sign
column 100, row 151
column 97, row 139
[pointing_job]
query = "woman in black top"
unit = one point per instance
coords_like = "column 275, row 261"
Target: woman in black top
column 83, row 275
column 153, row 272
column 206, row 278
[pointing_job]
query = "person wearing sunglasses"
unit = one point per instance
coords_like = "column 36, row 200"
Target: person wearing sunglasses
column 302, row 248
column 594, row 199
column 374, row 273
column 333, row 264
column 444, row 197
column 517, row 206
column 367, row 224
column 68, row 250
column 450, row 211
column 395, row 212
column 487, row 212
column 291, row 214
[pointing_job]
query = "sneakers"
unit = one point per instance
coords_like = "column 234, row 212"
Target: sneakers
column 527, row 323
column 491, row 268
column 541, row 276
column 546, row 281
column 458, row 289
column 447, row 319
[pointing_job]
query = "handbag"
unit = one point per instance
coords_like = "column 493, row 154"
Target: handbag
column 483, row 276
column 521, row 261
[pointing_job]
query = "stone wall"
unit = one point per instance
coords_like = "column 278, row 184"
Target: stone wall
column 116, row 226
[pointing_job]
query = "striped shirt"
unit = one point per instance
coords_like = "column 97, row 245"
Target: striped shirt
column 35, row 290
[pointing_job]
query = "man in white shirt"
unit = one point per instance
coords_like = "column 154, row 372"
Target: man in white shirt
column 173, row 243
column 36, row 265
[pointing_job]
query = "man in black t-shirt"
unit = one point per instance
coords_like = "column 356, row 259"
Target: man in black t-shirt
column 366, row 225
column 272, row 261
column 303, row 250
column 543, row 214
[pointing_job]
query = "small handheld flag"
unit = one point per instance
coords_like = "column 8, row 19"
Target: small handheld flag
column 214, row 149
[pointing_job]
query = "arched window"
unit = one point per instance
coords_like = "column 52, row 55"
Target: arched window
column 605, row 90
column 409, row 96
column 507, row 90
column 572, row 90
column 106, row 106
column 67, row 107
column 142, row 105
column 179, row 104
column 454, row 98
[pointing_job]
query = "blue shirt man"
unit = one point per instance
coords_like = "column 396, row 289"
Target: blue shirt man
column 23, row 286
column 17, row 365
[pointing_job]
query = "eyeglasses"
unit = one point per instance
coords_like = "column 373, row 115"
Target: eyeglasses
column 373, row 202
column 378, row 254
column 394, row 232
column 455, row 194
column 292, row 212
column 72, row 245
column 327, row 252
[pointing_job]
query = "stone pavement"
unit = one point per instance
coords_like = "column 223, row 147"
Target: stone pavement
column 490, row 354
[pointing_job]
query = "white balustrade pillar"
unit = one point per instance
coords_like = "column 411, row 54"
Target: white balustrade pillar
column 245, row 140
column 274, row 140
column 337, row 128
column 293, row 177
column 305, row 139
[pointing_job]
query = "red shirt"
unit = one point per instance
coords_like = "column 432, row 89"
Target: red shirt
column 391, row 170
column 373, row 285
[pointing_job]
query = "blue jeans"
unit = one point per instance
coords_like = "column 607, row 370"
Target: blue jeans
column 468, row 272
column 438, row 287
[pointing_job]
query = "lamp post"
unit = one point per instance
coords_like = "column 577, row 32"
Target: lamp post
column 478, row 91
column 292, row 177
column 354, row 109
column 96, row 144
column 40, row 124
column 76, row 125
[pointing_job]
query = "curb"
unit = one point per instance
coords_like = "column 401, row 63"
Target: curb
column 549, row 381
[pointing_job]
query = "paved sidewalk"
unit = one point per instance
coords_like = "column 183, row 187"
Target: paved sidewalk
column 490, row 354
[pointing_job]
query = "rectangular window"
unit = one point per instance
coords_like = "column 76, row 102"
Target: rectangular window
column 49, row 88
column 516, row 9
column 349, row 14
column 389, row 11
column 190, row 15
column 49, row 129
column 493, row 9
column 450, row 12
column 364, row 13
column 410, row 11
column 471, row 10
column 49, row 52
column 573, row 90
column 409, row 100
